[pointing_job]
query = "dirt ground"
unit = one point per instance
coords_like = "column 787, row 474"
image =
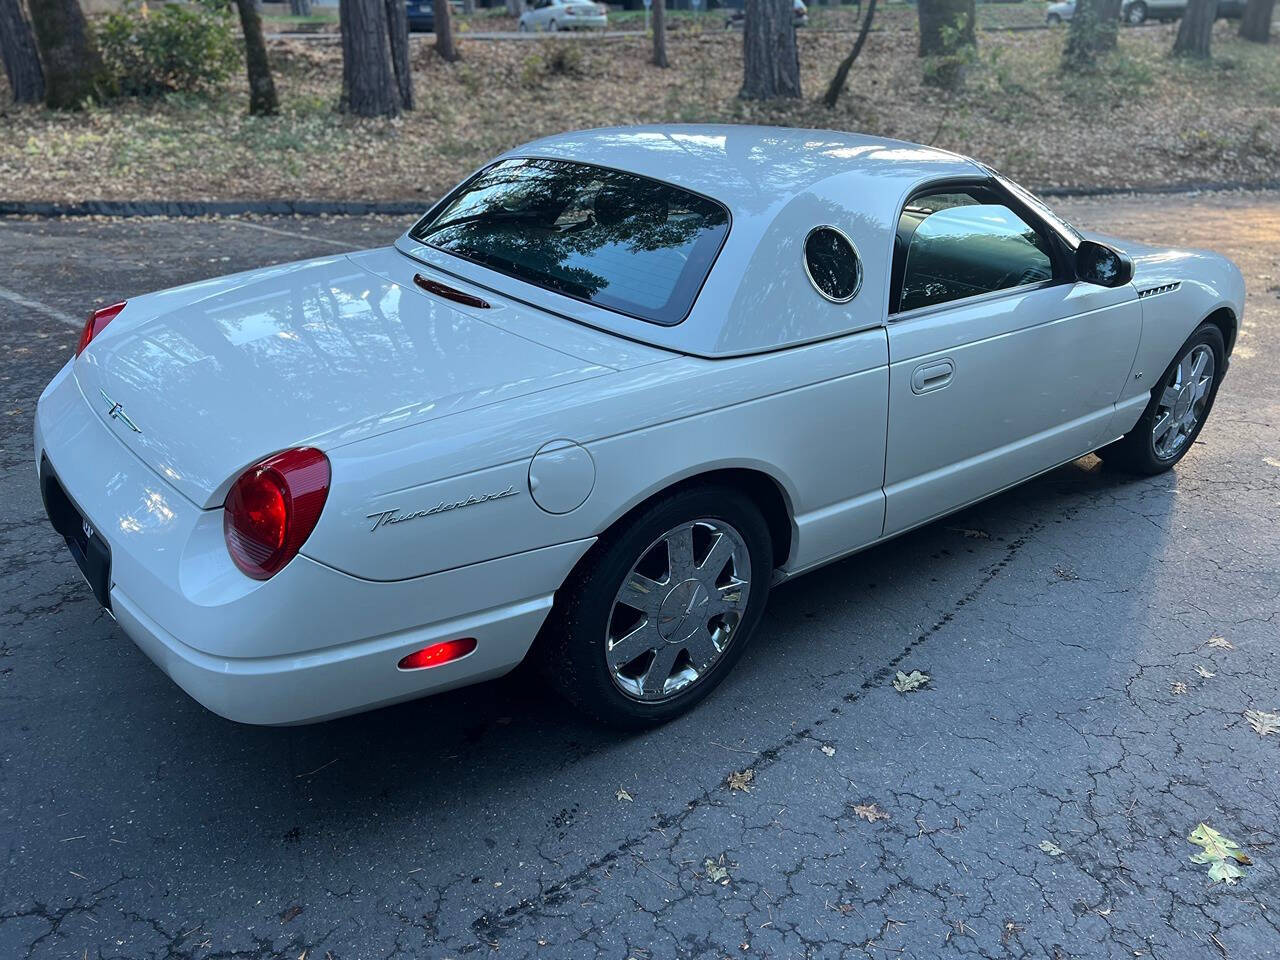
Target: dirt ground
column 1144, row 119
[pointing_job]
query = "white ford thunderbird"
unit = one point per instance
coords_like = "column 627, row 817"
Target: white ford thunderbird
column 592, row 406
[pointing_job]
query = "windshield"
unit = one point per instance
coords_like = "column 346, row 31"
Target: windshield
column 610, row 238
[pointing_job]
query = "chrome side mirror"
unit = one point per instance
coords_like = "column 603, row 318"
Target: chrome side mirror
column 1102, row 265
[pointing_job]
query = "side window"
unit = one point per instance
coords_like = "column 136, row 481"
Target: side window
column 953, row 246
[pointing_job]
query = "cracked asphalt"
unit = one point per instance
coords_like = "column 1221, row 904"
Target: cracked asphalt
column 1075, row 700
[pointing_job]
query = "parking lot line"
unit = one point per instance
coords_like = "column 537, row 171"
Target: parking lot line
column 14, row 297
column 300, row 236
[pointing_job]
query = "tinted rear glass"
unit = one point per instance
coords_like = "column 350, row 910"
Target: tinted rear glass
column 610, row 238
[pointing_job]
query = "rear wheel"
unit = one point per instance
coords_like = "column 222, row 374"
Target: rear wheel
column 1053, row 19
column 1179, row 405
column 662, row 608
column 1135, row 13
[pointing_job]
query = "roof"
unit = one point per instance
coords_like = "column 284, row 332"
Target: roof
column 751, row 167
column 778, row 184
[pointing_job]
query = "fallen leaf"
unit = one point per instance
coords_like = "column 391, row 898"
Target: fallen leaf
column 1177, row 686
column 1222, row 855
column 1263, row 723
column 1222, row 643
column 869, row 812
column 290, row 914
column 623, row 795
column 716, row 872
column 1051, row 848
column 829, row 750
column 1207, row 674
column 741, row 780
column 906, row 682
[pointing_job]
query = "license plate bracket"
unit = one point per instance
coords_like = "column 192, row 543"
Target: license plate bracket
column 91, row 552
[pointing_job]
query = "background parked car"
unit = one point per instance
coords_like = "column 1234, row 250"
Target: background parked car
column 422, row 16
column 563, row 15
column 1134, row 12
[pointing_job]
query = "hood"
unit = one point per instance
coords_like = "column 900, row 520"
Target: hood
column 215, row 376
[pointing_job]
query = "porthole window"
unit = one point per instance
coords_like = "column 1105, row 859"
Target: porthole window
column 831, row 260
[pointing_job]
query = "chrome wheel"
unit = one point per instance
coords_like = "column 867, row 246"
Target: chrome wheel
column 1183, row 402
column 678, row 610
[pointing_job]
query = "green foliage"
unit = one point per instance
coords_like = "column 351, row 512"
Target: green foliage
column 150, row 52
column 558, row 58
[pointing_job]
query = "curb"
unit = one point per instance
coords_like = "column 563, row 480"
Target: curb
column 342, row 208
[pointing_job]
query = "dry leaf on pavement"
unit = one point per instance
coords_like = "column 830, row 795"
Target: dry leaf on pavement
column 1222, row 643
column 829, row 750
column 623, row 795
column 906, row 682
column 869, row 812
column 1222, row 855
column 1051, row 848
column 1207, row 674
column 716, row 872
column 741, row 780
column 1263, row 723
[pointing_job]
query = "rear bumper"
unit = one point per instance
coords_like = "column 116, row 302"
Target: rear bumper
column 310, row 643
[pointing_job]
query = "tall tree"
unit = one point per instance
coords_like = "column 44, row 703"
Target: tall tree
column 770, row 58
column 1093, row 31
column 1195, row 30
column 660, row 33
column 72, row 65
column 398, row 35
column 18, row 50
column 947, row 39
column 445, row 45
column 1255, row 25
column 262, row 88
column 836, row 86
column 368, row 87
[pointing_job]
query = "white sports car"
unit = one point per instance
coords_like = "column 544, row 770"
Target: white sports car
column 592, row 406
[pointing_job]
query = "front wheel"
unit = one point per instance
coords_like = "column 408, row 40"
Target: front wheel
column 1053, row 19
column 553, row 26
column 1179, row 405
column 661, row 608
column 1136, row 13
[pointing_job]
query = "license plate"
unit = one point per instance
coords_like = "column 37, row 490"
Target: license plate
column 90, row 551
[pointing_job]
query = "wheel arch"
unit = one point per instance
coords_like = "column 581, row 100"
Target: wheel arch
column 1224, row 318
column 769, row 492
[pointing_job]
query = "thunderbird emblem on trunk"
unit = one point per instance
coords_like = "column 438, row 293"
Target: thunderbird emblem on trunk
column 116, row 412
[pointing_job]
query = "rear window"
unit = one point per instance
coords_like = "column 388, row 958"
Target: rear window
column 609, row 238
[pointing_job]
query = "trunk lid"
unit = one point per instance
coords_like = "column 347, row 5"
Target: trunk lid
column 212, row 377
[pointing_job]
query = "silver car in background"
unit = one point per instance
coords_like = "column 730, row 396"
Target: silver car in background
column 555, row 15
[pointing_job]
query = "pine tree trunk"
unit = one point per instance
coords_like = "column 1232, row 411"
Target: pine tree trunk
column 1092, row 31
column 262, row 88
column 770, row 59
column 72, row 65
column 1195, row 30
column 398, row 35
column 445, row 46
column 660, row 33
column 947, row 40
column 368, row 88
column 842, row 72
column 1255, row 25
column 18, row 50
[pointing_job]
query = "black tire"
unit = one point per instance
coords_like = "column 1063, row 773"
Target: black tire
column 1135, row 13
column 571, row 646
column 1053, row 19
column 1135, row 452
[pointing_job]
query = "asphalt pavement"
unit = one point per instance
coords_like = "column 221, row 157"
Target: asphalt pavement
column 1032, row 800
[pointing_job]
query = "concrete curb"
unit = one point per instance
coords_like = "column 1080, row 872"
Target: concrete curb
column 342, row 208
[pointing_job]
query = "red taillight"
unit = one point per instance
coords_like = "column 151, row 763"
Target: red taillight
column 272, row 509
column 96, row 323
column 438, row 653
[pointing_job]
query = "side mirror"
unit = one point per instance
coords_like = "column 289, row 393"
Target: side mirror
column 1102, row 265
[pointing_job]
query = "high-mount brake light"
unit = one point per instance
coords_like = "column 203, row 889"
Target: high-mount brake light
column 272, row 508
column 96, row 323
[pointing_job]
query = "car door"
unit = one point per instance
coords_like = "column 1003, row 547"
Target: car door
column 1001, row 364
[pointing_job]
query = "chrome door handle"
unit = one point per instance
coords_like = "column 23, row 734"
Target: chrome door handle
column 932, row 376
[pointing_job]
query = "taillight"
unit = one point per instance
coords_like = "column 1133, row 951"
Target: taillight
column 438, row 653
column 272, row 508
column 96, row 323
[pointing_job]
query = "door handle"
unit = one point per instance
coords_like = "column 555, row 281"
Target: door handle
column 932, row 376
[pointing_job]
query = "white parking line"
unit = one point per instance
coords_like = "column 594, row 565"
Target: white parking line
column 14, row 297
column 300, row 236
